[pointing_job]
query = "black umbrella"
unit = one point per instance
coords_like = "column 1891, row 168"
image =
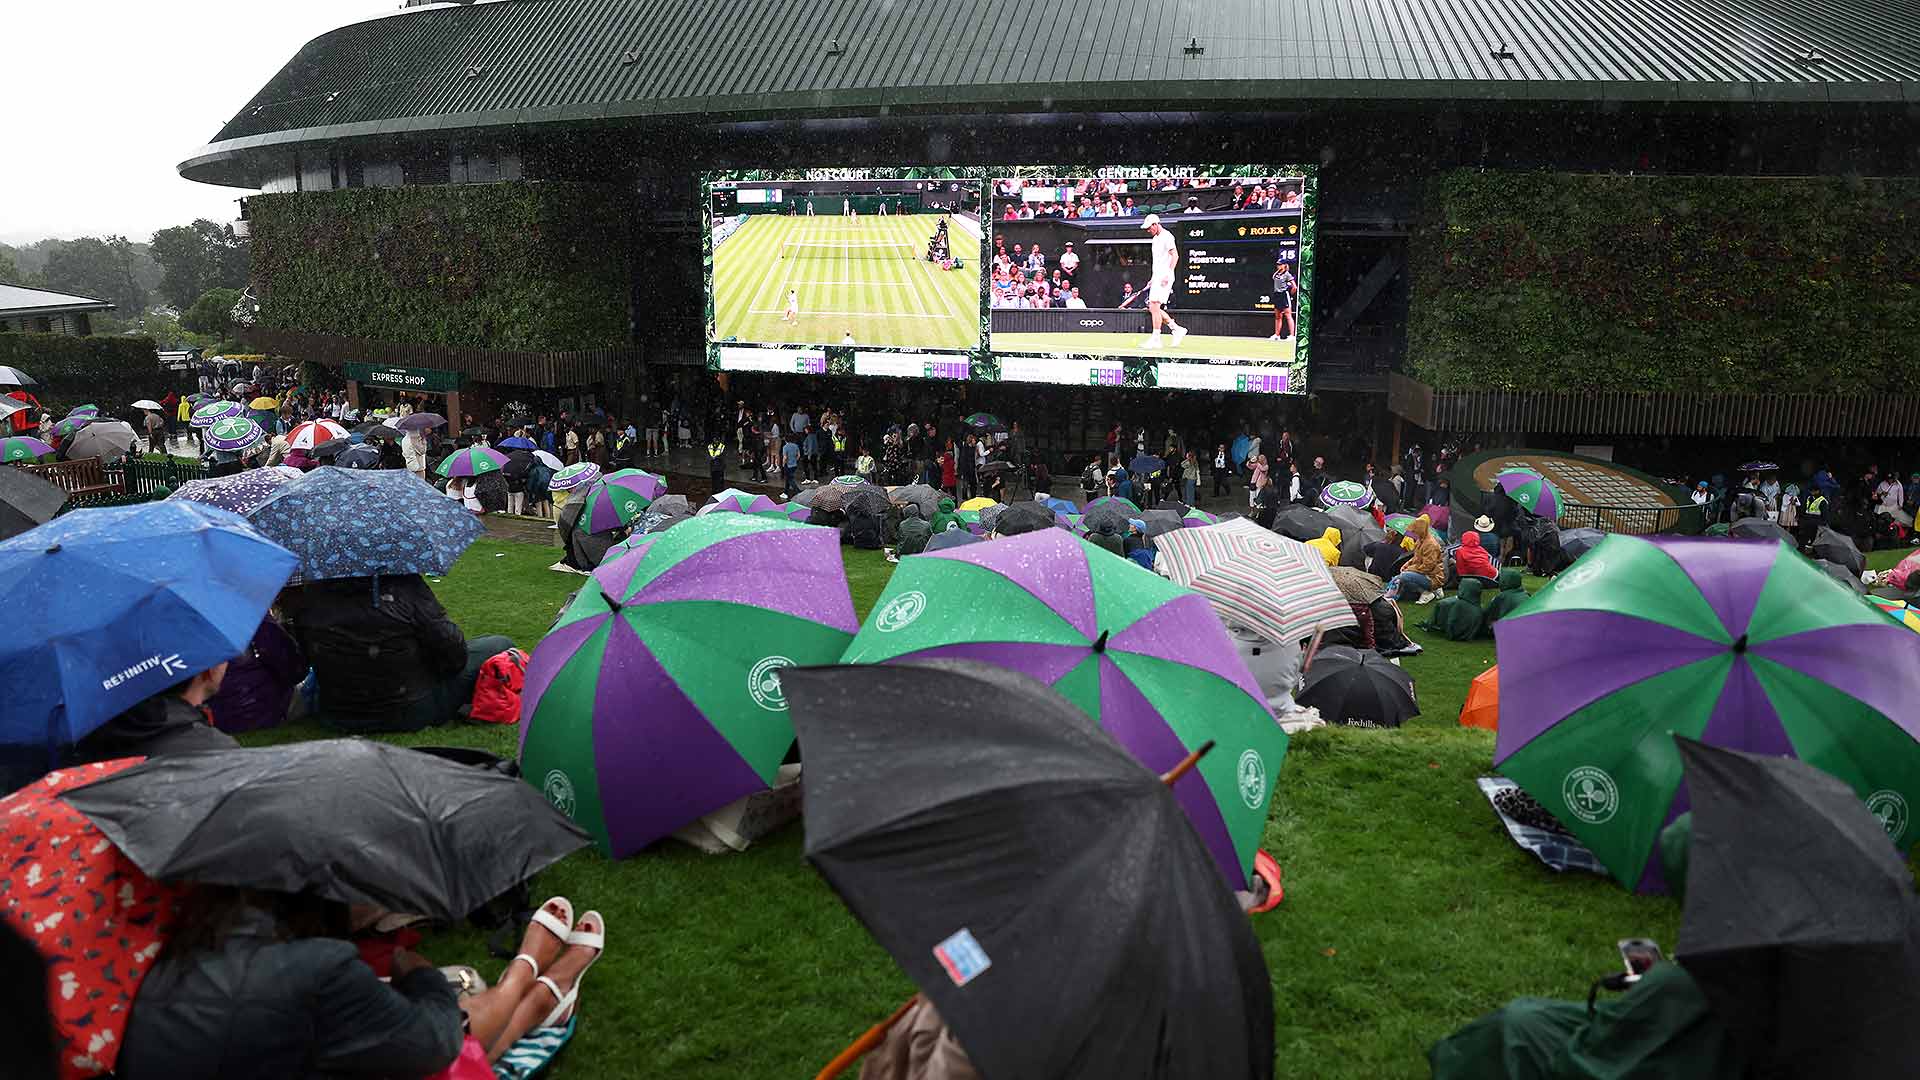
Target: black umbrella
column 1577, row 542
column 331, row 447
column 519, row 463
column 1179, row 508
column 1039, row 885
column 1363, row 688
column 1161, row 521
column 926, row 498
column 663, row 513
column 364, row 456
column 346, row 819
column 953, row 538
column 1107, row 517
column 1023, row 517
column 1146, row 466
column 1839, row 548
column 1756, row 528
column 26, row 501
column 377, row 430
column 1301, row 523
column 868, row 500
column 1842, row 575
column 997, row 466
column 1801, row 923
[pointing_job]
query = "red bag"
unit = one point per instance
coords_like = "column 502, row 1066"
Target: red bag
column 496, row 694
column 472, row 1062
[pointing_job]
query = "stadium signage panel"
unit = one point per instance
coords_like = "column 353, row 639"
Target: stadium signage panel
column 433, row 380
column 907, row 365
column 794, row 361
column 1064, row 371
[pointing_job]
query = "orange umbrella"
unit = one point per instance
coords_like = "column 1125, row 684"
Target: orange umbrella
column 1482, row 709
column 94, row 917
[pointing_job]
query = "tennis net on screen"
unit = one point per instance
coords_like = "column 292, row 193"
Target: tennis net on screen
column 847, row 249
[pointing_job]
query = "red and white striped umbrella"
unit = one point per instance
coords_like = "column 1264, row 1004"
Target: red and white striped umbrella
column 314, row 432
column 1273, row 585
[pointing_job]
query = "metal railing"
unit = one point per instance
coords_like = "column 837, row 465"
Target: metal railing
column 1633, row 520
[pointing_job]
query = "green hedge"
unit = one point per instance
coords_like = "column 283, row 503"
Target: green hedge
column 1533, row 281
column 512, row 266
column 110, row 372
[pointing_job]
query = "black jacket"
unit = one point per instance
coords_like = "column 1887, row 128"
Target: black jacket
column 1385, row 558
column 261, row 1007
column 375, row 656
column 161, row 725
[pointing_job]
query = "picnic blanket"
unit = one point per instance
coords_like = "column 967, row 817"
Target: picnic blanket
column 1551, row 845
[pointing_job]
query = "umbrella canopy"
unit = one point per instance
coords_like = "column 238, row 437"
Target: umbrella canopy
column 84, row 410
column 148, row 403
column 263, row 403
column 313, row 433
column 516, row 442
column 1021, row 518
column 87, row 909
column 26, row 501
column 953, row 538
column 920, row 495
column 1800, row 924
column 377, row 430
column 346, row 523
column 578, row 475
column 1277, row 587
column 100, row 439
column 980, row 503
column 1127, row 505
column 1534, row 492
column 1147, row 466
column 619, row 498
column 240, row 492
column 234, row 434
column 1358, row 586
column 363, row 456
column 549, row 460
column 1358, row 687
column 1760, row 466
column 1739, row 643
column 1301, row 523
column 832, row 498
column 352, row 820
column 1160, row 522
column 698, row 622
column 1346, row 493
column 15, row 449
column 735, row 501
column 1577, row 542
column 1399, row 522
column 795, row 510
column 420, row 421
column 10, row 405
column 472, row 461
column 1033, row 880
column 332, row 447
column 1143, row 656
column 206, row 415
column 129, row 601
column 984, row 421
column 69, row 426
column 1108, row 517
column 1482, row 709
column 850, row 480
column 1899, row 611
column 1842, row 575
column 1196, row 518
column 1838, row 547
column 663, row 513
column 13, row 376
column 1753, row 528
column 1241, row 447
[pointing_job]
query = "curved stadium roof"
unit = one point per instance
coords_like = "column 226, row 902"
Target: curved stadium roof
column 517, row 62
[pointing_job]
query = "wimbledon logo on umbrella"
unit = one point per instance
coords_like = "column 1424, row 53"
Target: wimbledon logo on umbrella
column 559, row 791
column 901, row 611
column 1591, row 795
column 1891, row 808
column 1581, row 573
column 763, row 682
column 1252, row 777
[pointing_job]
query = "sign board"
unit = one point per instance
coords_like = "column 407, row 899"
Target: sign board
column 429, row 380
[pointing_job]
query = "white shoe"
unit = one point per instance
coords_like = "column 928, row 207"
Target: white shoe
column 1178, row 333
column 1427, row 598
column 1274, row 337
column 1151, row 343
column 564, row 1002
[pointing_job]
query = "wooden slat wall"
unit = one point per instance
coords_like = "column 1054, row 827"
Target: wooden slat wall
column 1760, row 415
column 511, row 367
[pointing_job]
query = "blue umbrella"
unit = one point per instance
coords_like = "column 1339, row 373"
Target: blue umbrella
column 516, row 442
column 129, row 601
column 346, row 523
column 1061, row 506
column 1238, row 451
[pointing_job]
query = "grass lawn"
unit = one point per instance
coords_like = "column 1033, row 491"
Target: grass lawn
column 1407, row 910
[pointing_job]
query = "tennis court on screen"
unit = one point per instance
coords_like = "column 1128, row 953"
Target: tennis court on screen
column 865, row 276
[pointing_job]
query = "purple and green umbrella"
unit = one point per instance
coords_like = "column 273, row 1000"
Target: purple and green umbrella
column 234, row 434
column 1146, row 658
column 1197, row 518
column 472, row 461
column 17, row 448
column 850, row 480
column 735, row 501
column 795, row 510
column 656, row 697
column 1346, row 493
column 1531, row 490
column 213, row 412
column 1133, row 511
column 578, row 475
column 971, row 519
column 67, row 426
column 1742, row 644
column 619, row 498
column 89, row 411
column 984, row 421
column 1400, row 523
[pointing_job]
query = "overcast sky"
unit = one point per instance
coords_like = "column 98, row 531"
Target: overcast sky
column 108, row 97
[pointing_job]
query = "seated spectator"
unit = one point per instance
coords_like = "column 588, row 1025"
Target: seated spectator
column 385, row 656
column 1328, row 545
column 1460, row 617
column 1471, row 560
column 1073, row 300
column 1386, row 557
column 1424, row 568
column 173, row 721
column 914, row 531
column 260, row 682
column 1130, row 210
column 1513, row 593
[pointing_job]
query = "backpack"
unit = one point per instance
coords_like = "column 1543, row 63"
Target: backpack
column 496, row 693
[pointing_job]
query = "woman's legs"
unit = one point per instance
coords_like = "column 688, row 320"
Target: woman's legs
column 537, row 1005
column 490, row 1012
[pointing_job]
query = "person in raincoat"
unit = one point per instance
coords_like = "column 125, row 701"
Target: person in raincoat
column 259, row 682
column 174, row 721
column 1513, row 593
column 1460, row 617
column 1328, row 546
column 1471, row 559
column 1424, row 569
column 914, row 531
column 945, row 518
column 1107, row 535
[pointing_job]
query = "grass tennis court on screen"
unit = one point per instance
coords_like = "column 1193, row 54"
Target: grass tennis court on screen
column 1192, row 347
column 867, row 275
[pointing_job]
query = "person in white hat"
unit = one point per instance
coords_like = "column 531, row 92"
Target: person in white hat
column 1166, row 258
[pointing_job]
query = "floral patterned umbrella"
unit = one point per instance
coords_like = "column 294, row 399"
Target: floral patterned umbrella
column 240, row 492
column 345, row 523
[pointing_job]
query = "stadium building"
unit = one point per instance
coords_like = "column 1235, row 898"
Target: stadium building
column 1582, row 222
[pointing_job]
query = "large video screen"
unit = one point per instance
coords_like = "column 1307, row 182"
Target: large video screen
column 1176, row 277
column 873, row 270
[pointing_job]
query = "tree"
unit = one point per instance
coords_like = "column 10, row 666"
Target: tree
column 9, row 270
column 199, row 257
column 92, row 266
column 212, row 313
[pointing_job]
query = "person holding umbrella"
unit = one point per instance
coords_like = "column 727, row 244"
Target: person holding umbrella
column 173, row 721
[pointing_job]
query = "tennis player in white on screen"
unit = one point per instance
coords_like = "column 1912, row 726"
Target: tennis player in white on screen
column 793, row 307
column 1166, row 258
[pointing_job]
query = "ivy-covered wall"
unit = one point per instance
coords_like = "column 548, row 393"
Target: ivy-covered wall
column 536, row 266
column 108, row 371
column 1537, row 281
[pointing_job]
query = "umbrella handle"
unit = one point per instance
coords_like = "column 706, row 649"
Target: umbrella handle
column 858, row 1048
column 1173, row 775
column 1312, row 651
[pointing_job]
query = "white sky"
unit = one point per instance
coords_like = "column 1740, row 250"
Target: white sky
column 136, row 87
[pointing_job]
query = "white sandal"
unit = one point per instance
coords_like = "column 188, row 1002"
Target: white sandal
column 560, row 926
column 564, row 1002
